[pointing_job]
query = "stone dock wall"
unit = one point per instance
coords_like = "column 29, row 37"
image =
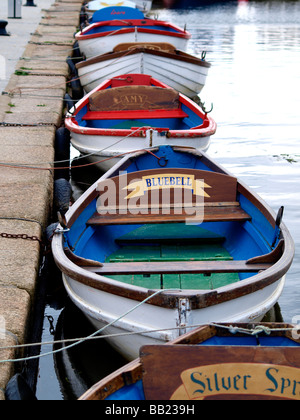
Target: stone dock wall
column 32, row 110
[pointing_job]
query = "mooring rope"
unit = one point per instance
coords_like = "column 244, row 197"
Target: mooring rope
column 33, row 167
column 97, row 337
column 50, row 353
column 258, row 329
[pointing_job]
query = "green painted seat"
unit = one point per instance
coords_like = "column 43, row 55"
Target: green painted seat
column 168, row 243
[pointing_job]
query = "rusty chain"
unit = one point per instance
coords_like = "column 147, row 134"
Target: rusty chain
column 20, row 236
column 5, row 124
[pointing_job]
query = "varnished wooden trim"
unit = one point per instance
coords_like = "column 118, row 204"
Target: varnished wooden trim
column 180, row 267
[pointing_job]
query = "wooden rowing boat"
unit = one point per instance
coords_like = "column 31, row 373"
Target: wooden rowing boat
column 181, row 71
column 102, row 36
column 135, row 111
column 170, row 225
column 214, row 362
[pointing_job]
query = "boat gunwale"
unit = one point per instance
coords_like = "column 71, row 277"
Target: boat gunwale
column 199, row 299
column 177, row 55
column 179, row 32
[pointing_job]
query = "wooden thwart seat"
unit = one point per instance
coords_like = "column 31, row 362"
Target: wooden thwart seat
column 222, row 213
column 139, row 114
column 180, row 267
column 168, row 195
column 253, row 265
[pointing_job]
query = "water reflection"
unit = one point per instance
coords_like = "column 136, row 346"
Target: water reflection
column 245, row 12
column 79, row 368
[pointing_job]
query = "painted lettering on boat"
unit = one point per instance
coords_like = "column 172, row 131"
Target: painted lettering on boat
column 239, row 379
column 163, row 191
column 114, row 12
column 127, row 100
column 167, row 181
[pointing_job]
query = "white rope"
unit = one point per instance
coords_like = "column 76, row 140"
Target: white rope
column 102, row 336
column 50, row 353
column 31, row 165
column 259, row 329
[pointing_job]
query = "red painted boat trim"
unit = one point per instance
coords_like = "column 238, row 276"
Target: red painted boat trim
column 208, row 127
column 138, row 25
column 192, row 133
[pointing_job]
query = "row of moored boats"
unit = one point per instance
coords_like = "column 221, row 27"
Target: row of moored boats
column 168, row 254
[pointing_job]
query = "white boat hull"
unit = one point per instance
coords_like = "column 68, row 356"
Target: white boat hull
column 106, row 151
column 97, row 46
column 186, row 78
column 148, row 324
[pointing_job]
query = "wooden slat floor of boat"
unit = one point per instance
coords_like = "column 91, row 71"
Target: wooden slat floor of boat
column 211, row 214
column 168, row 266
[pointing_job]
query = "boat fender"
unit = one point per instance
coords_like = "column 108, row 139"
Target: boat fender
column 83, row 15
column 62, row 153
column 17, row 389
column 50, row 230
column 68, row 101
column 277, row 226
column 77, row 89
column 72, row 67
column 77, row 56
column 62, row 195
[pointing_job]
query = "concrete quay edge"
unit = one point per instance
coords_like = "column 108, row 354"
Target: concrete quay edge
column 34, row 97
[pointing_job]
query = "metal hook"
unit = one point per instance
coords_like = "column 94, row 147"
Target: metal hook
column 202, row 104
column 163, row 161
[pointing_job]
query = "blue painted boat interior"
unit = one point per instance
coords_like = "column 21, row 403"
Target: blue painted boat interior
column 263, row 341
column 242, row 240
column 142, row 24
column 133, row 392
column 168, row 123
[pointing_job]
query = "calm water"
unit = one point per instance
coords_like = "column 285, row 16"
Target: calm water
column 254, row 85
